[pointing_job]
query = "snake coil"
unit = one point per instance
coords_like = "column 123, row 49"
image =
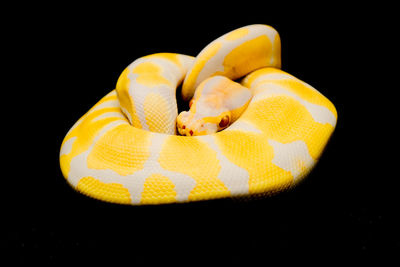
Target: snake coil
column 125, row 148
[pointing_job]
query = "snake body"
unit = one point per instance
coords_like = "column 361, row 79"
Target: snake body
column 125, row 148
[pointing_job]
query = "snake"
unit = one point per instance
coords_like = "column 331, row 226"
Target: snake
column 250, row 128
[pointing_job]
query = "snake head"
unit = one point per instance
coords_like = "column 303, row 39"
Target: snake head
column 191, row 124
column 213, row 106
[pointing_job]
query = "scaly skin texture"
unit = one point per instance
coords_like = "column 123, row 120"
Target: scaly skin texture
column 124, row 150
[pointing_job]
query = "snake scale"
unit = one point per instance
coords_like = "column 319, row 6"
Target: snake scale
column 272, row 127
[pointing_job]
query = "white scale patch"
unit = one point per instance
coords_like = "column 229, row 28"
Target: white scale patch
column 235, row 178
column 245, row 126
column 67, row 146
column 291, row 157
column 109, row 115
column 107, row 104
column 273, row 76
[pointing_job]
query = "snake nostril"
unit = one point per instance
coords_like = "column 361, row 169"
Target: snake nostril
column 191, row 132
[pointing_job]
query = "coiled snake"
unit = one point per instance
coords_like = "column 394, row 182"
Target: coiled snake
column 272, row 127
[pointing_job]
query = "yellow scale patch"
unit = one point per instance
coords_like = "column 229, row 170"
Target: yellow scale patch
column 158, row 189
column 254, row 154
column 111, row 192
column 85, row 132
column 276, row 52
column 192, row 157
column 294, row 85
column 150, row 75
column 284, row 119
column 246, row 57
column 157, row 113
column 123, row 149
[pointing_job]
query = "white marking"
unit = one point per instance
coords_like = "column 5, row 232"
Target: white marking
column 67, row 146
column 245, row 126
column 137, row 94
column 239, row 98
column 272, row 76
column 235, row 178
column 292, row 157
column 112, row 103
column 109, row 115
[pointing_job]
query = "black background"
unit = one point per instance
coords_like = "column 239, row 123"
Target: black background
column 72, row 55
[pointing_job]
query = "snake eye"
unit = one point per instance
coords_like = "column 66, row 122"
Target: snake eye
column 224, row 121
column 190, row 103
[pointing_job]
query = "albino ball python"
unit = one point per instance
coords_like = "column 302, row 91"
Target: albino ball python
column 272, row 127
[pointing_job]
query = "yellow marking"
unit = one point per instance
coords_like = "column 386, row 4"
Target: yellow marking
column 150, row 75
column 253, row 153
column 190, row 156
column 158, row 114
column 111, row 192
column 236, row 34
column 276, row 52
column 292, row 84
column 125, row 99
column 123, row 149
column 158, row 189
column 250, row 55
column 284, row 119
column 202, row 59
column 85, row 133
column 307, row 93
